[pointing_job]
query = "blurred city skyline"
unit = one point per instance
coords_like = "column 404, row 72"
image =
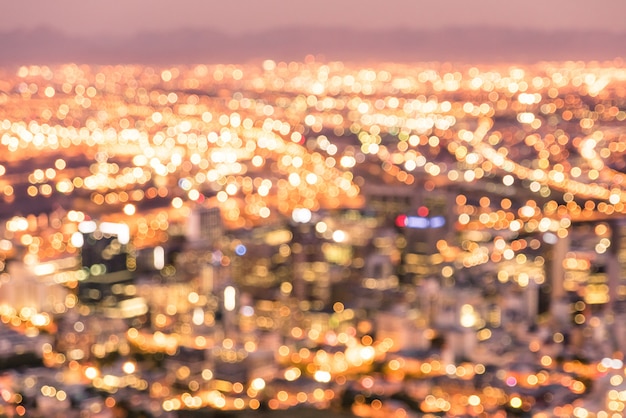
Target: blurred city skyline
column 348, row 208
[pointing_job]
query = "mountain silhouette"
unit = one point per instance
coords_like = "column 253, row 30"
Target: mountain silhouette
column 188, row 46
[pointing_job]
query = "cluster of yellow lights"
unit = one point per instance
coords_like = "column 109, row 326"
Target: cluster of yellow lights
column 260, row 140
column 26, row 317
column 152, row 135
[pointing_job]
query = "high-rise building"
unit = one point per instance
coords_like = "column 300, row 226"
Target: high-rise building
column 204, row 227
column 106, row 261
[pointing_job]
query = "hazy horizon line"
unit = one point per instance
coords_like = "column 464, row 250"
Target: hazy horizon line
column 330, row 27
column 471, row 43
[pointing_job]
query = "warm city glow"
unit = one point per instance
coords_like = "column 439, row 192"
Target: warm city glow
column 384, row 239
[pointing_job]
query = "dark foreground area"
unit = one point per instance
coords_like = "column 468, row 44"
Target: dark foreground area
column 293, row 412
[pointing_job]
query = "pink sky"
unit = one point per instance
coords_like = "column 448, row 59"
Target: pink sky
column 88, row 17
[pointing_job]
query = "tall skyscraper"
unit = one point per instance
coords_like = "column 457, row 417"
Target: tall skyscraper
column 106, row 261
column 204, row 227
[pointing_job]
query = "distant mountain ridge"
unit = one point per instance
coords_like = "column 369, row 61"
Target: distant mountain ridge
column 187, row 46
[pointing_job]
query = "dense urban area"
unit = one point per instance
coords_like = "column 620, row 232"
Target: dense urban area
column 384, row 240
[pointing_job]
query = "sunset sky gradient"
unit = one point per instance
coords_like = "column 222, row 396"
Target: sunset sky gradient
column 238, row 17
